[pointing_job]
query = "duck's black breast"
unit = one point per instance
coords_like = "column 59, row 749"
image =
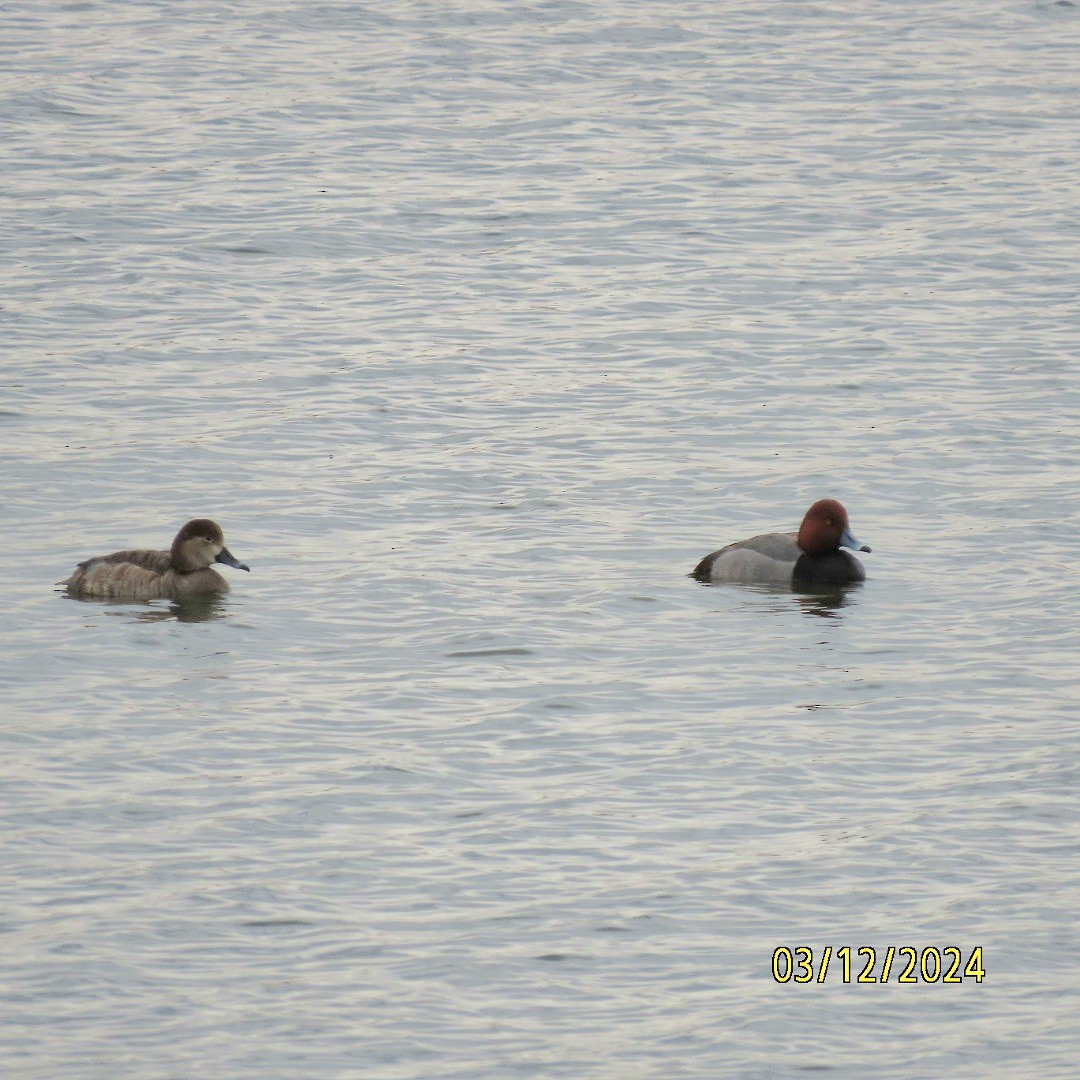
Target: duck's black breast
column 703, row 570
column 836, row 568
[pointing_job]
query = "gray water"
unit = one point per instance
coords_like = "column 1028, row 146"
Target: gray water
column 476, row 325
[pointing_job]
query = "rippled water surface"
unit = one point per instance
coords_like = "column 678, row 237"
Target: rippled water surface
column 476, row 325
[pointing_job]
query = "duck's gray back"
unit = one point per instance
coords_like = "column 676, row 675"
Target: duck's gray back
column 770, row 557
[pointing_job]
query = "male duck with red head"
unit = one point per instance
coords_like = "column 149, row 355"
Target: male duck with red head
column 810, row 557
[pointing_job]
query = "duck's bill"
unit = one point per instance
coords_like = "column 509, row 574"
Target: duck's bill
column 229, row 559
column 849, row 541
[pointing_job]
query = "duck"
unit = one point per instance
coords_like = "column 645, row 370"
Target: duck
column 810, row 557
column 183, row 570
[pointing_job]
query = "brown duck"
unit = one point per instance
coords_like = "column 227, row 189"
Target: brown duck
column 183, row 570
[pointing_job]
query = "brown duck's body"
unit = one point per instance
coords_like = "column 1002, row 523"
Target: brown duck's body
column 184, row 570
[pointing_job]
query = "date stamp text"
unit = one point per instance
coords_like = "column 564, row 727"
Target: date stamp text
column 904, row 964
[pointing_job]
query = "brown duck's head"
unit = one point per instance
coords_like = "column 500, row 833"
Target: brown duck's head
column 199, row 544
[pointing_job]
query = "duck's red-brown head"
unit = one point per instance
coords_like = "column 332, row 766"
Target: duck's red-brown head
column 825, row 528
